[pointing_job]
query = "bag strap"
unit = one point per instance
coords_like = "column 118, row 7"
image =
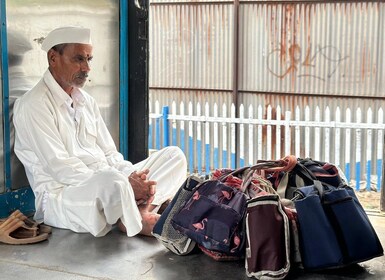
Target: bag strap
column 235, row 172
column 303, row 176
column 263, row 185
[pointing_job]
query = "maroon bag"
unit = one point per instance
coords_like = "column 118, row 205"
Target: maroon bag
column 268, row 238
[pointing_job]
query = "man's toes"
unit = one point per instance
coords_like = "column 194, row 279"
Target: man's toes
column 148, row 221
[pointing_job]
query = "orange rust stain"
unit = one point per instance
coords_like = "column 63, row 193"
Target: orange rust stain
column 363, row 64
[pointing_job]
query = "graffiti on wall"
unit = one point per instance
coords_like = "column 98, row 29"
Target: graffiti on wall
column 311, row 63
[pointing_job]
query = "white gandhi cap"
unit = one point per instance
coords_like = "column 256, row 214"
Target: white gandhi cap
column 69, row 34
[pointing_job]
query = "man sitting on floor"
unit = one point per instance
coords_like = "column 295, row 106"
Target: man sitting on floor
column 80, row 181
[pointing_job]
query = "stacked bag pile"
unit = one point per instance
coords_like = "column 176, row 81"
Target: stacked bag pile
column 274, row 214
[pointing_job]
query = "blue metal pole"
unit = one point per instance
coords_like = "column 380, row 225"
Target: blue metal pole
column 157, row 133
column 5, row 87
column 166, row 138
column 123, row 78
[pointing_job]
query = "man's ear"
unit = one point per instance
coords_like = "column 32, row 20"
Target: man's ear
column 51, row 56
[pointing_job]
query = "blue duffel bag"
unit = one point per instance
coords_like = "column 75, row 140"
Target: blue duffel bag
column 334, row 230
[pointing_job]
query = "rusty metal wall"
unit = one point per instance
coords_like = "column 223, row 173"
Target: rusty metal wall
column 302, row 47
column 312, row 48
column 191, row 46
column 282, row 53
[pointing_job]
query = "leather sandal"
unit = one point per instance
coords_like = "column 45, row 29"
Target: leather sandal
column 30, row 224
column 15, row 231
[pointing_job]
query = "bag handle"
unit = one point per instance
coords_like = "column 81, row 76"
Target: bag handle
column 285, row 164
column 303, row 176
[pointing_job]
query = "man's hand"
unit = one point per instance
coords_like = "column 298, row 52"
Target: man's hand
column 144, row 190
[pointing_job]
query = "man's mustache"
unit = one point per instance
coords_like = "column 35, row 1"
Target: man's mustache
column 82, row 75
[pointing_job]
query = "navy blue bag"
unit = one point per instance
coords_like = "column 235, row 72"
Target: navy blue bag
column 334, row 230
column 358, row 239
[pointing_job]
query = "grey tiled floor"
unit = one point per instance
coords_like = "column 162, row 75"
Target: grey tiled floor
column 67, row 255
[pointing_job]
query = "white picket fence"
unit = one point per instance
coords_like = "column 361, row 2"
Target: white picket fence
column 212, row 136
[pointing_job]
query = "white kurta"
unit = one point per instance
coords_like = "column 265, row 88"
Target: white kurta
column 79, row 179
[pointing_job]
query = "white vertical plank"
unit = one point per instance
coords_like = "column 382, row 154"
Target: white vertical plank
column 326, row 138
column 287, row 133
column 207, row 153
column 182, row 127
column 307, row 132
column 358, row 141
column 191, row 136
column 199, row 124
column 317, row 135
column 233, row 135
column 278, row 134
column 297, row 133
column 198, row 140
column 157, row 124
column 380, row 150
column 216, row 137
column 224, row 135
column 380, row 135
column 260, row 134
column 241, row 132
column 157, row 107
column 369, row 137
column 348, row 137
column 251, row 137
column 269, row 132
column 337, row 137
column 174, row 125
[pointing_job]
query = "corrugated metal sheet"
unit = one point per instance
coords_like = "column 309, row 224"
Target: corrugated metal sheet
column 290, row 54
column 191, row 46
column 188, row 2
column 312, row 48
column 167, row 97
column 300, row 47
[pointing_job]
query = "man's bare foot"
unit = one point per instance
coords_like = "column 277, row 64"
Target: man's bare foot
column 148, row 221
column 121, row 227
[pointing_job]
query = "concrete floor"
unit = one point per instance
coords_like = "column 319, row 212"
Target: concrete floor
column 67, row 255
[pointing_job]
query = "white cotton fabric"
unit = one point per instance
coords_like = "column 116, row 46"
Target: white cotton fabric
column 79, row 179
column 68, row 34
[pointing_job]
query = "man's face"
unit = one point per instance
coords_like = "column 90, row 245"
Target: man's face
column 71, row 68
